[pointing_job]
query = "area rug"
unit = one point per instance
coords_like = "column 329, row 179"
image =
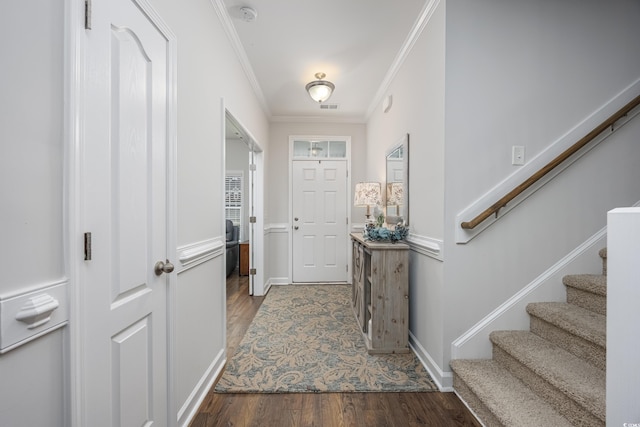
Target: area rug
column 305, row 338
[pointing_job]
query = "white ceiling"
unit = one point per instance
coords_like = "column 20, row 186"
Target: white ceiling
column 356, row 43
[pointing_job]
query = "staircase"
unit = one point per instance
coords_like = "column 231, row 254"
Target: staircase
column 551, row 375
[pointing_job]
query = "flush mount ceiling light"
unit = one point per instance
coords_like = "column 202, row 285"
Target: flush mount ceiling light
column 320, row 90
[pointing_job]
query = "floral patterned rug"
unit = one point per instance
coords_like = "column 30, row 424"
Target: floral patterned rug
column 305, row 338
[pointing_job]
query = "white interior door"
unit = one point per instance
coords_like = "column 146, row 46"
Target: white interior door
column 319, row 202
column 124, row 206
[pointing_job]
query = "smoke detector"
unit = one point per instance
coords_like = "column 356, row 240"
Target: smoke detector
column 248, row 14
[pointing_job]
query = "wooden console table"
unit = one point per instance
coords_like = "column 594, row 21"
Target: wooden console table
column 380, row 293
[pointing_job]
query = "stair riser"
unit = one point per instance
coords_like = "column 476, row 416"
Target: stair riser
column 575, row 345
column 556, row 398
column 588, row 300
column 476, row 405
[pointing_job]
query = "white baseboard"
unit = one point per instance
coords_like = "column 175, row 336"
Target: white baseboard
column 444, row 380
column 275, row 281
column 193, row 402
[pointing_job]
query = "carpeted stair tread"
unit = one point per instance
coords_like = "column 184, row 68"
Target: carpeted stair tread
column 510, row 401
column 576, row 378
column 594, row 283
column 579, row 321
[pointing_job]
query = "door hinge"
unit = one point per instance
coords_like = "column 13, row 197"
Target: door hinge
column 347, row 218
column 87, row 246
column 87, row 14
column 252, row 271
column 252, row 167
column 252, row 219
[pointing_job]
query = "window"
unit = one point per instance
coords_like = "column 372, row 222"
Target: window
column 319, row 149
column 233, row 189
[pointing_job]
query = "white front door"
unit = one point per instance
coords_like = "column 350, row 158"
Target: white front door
column 123, row 204
column 319, row 203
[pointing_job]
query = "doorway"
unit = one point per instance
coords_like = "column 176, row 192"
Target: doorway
column 244, row 165
column 319, row 209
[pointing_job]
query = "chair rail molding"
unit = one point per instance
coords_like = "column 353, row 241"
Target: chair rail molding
column 428, row 246
column 463, row 236
column 196, row 253
column 276, row 228
column 32, row 312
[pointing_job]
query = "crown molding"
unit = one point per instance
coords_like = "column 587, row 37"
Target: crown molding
column 230, row 30
column 410, row 41
column 414, row 34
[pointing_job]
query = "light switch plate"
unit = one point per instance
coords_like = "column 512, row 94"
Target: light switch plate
column 517, row 155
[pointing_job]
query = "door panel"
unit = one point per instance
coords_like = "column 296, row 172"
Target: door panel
column 131, row 374
column 124, row 206
column 319, row 203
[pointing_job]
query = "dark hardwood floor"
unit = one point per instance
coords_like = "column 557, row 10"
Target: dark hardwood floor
column 318, row 409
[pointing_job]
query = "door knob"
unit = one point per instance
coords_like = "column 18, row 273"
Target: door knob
column 295, row 219
column 163, row 267
column 296, row 227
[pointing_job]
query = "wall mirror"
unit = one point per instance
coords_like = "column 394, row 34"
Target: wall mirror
column 397, row 188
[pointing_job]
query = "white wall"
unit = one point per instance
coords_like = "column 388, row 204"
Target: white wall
column 484, row 76
column 418, row 109
column 31, row 212
column 526, row 73
column 277, row 200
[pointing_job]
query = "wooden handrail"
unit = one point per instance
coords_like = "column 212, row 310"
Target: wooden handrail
column 495, row 208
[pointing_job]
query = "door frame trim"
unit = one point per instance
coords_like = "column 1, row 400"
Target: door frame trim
column 74, row 121
column 256, row 203
column 293, row 138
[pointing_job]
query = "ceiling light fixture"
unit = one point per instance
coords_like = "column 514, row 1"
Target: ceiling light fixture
column 320, row 90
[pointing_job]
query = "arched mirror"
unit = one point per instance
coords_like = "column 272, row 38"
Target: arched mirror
column 397, row 188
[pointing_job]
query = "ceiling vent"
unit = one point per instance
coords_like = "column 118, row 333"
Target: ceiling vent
column 328, row 106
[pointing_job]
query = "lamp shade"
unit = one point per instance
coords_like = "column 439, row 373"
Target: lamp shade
column 367, row 194
column 320, row 90
column 395, row 194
